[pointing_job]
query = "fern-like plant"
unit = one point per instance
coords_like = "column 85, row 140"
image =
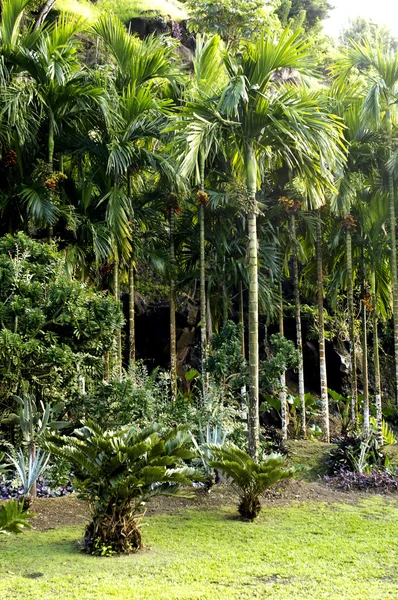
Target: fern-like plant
column 249, row 478
column 13, row 517
column 117, row 472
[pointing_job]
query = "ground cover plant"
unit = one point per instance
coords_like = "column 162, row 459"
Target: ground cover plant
column 311, row 551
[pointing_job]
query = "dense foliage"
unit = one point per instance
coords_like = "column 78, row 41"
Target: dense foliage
column 53, row 327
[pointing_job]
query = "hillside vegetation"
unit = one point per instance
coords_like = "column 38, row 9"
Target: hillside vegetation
column 124, row 9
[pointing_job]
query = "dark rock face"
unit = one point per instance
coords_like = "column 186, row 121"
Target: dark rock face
column 159, row 25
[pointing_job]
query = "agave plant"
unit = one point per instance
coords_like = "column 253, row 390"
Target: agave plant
column 34, row 420
column 117, row 472
column 249, row 478
column 13, row 517
column 214, row 437
column 29, row 472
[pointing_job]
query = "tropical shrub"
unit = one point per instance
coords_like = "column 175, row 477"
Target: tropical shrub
column 249, row 478
column 282, row 355
column 225, row 363
column 117, row 472
column 356, row 454
column 53, row 327
column 342, row 405
column 13, row 517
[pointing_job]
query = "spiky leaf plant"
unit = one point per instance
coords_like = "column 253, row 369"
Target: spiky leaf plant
column 117, row 472
column 13, row 517
column 249, row 478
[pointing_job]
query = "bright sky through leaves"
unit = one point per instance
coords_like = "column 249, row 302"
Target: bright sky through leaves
column 380, row 11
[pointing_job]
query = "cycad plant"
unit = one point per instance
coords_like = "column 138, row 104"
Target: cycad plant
column 249, row 478
column 13, row 517
column 117, row 472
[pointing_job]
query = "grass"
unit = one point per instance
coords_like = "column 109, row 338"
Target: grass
column 312, row 454
column 124, row 9
column 303, row 551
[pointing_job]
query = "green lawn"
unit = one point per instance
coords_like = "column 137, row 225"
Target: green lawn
column 300, row 551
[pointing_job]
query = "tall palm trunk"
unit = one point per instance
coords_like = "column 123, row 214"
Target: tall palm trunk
column 299, row 339
column 376, row 366
column 284, row 413
column 243, row 390
column 253, row 417
column 173, row 343
column 209, row 322
column 351, row 325
column 116, row 291
column 202, row 197
column 224, row 296
column 322, row 354
column 393, row 254
column 131, row 311
column 51, row 162
column 242, row 317
column 365, row 371
column 131, row 291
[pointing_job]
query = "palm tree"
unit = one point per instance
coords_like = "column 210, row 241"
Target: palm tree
column 202, row 139
column 380, row 70
column 143, row 69
column 61, row 91
column 360, row 139
column 273, row 122
column 321, row 326
column 297, row 308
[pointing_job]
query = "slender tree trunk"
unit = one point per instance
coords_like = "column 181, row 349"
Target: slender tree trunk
column 299, row 339
column 51, row 142
column 376, row 364
column 131, row 288
column 116, row 291
column 365, row 372
column 243, row 390
column 253, row 417
column 351, row 325
column 131, row 310
column 209, row 323
column 284, row 411
column 224, row 298
column 322, row 353
column 43, row 12
column 203, row 322
column 51, row 163
column 173, row 343
column 202, row 197
column 242, row 317
column 393, row 254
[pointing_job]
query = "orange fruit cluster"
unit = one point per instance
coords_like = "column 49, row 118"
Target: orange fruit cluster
column 10, row 159
column 291, row 206
column 52, row 182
